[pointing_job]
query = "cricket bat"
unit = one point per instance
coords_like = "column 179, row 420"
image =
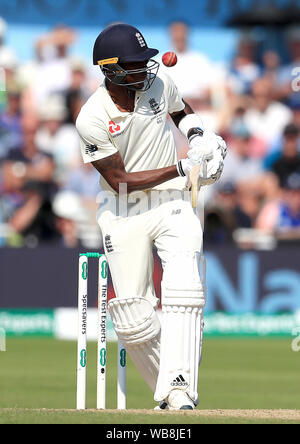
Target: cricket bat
column 194, row 181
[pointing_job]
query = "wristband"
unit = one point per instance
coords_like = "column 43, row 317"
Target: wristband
column 195, row 132
column 180, row 169
column 190, row 122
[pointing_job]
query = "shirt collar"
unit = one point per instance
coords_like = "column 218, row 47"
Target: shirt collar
column 109, row 105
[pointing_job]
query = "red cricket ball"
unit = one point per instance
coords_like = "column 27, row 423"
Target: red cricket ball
column 169, row 59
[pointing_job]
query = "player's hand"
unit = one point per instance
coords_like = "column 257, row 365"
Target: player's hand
column 212, row 150
column 185, row 166
column 209, row 172
column 207, row 145
column 212, row 169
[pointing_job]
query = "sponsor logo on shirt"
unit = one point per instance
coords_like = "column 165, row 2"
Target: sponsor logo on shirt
column 113, row 127
column 91, row 149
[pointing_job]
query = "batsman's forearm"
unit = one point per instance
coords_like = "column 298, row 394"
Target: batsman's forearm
column 113, row 170
column 145, row 180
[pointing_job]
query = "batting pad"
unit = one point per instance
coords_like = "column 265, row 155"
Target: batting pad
column 138, row 328
column 181, row 345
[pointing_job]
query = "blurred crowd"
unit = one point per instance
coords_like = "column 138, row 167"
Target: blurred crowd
column 47, row 196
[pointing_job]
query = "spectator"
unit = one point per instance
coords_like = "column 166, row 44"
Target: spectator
column 77, row 94
column 266, row 120
column 289, row 161
column 295, row 108
column 247, row 208
column 8, row 65
column 34, row 218
column 220, row 221
column 275, row 152
column 271, row 68
column 238, row 133
column 6, row 53
column 244, row 70
column 84, row 184
column 11, row 184
column 283, row 216
column 69, row 215
column 84, row 181
column 195, row 88
column 289, row 212
column 287, row 75
column 233, row 113
column 186, row 74
column 241, row 166
column 9, row 62
column 3, row 28
column 51, row 72
column 27, row 186
column 10, row 124
column 58, row 139
column 76, row 220
column 233, row 208
column 37, row 165
column 27, row 75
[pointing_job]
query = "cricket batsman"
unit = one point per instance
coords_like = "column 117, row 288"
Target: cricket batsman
column 125, row 134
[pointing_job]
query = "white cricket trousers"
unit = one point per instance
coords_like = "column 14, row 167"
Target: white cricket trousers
column 128, row 241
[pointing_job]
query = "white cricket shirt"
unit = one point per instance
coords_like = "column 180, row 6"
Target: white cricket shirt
column 143, row 137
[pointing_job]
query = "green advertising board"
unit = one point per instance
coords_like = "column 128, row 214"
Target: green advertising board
column 51, row 323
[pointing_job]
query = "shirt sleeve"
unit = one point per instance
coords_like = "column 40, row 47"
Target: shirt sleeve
column 175, row 102
column 95, row 143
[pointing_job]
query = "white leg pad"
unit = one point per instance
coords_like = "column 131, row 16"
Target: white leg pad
column 138, row 328
column 181, row 345
column 183, row 301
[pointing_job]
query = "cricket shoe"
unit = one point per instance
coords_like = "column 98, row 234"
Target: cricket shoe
column 179, row 400
column 162, row 406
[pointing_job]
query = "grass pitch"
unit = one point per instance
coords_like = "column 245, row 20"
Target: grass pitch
column 241, row 381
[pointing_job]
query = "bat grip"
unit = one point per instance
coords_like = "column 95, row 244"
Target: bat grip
column 194, row 180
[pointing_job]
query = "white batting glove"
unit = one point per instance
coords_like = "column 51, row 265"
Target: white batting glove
column 222, row 146
column 207, row 144
column 211, row 170
column 212, row 149
column 185, row 166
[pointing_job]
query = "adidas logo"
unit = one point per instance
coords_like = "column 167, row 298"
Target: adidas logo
column 179, row 382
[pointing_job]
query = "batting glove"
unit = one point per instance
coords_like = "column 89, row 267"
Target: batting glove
column 185, row 166
column 206, row 144
column 211, row 149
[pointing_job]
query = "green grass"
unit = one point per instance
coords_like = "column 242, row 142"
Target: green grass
column 235, row 374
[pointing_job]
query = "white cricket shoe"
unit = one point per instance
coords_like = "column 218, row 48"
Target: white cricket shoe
column 179, row 400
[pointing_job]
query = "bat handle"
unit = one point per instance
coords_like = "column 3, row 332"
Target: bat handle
column 194, row 180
